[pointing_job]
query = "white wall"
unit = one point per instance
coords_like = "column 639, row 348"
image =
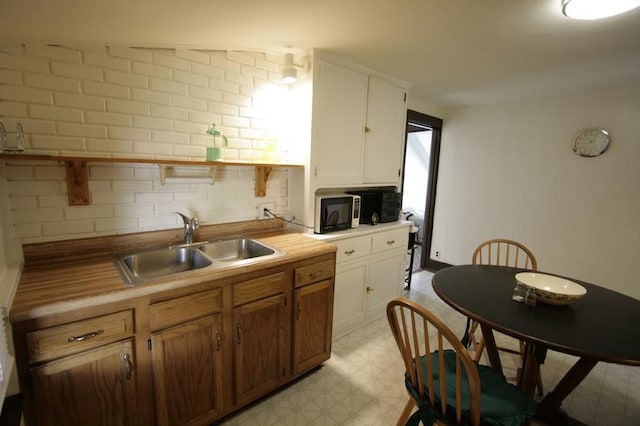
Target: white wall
column 508, row 171
column 133, row 102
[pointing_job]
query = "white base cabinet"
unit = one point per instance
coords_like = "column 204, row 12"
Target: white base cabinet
column 370, row 271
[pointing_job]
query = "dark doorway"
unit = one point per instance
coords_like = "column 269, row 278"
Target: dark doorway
column 419, row 180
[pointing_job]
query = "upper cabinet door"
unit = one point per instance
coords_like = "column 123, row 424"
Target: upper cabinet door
column 385, row 132
column 339, row 113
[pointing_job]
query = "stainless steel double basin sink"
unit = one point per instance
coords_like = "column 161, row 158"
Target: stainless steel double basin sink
column 147, row 264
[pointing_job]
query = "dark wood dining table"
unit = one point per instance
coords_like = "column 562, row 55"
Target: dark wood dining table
column 603, row 325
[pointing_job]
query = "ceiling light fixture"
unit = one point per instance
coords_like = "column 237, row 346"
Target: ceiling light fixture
column 290, row 70
column 596, row 9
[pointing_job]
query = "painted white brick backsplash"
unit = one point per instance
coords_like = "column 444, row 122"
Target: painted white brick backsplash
column 84, row 102
column 68, row 129
column 151, row 123
column 190, row 79
column 117, row 224
column 126, row 79
column 209, row 71
column 128, row 107
column 111, row 118
column 52, row 201
column 80, row 71
column 135, row 102
column 220, row 60
column 128, row 133
column 170, row 61
column 67, row 228
column 242, row 80
column 151, row 70
column 58, row 143
column 54, row 52
column 15, row 109
column 193, row 56
column 151, row 97
column 206, row 94
column 188, row 102
column 87, row 212
column 169, row 112
column 105, row 89
column 42, row 215
column 25, row 94
column 44, row 81
column 23, row 63
column 139, row 55
column 104, row 61
column 109, row 146
column 167, row 86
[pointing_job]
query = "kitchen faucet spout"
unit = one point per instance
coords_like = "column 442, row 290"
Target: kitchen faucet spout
column 190, row 225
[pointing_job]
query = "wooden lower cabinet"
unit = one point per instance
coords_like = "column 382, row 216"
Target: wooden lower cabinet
column 180, row 357
column 187, row 372
column 260, row 347
column 96, row 387
column 313, row 312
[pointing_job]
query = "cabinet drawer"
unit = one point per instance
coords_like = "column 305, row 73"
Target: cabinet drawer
column 353, row 248
column 391, row 239
column 78, row 336
column 186, row 308
column 258, row 288
column 317, row 272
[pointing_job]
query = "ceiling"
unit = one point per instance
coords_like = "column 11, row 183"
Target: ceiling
column 452, row 52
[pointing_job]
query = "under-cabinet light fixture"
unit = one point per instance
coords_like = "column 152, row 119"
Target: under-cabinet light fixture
column 596, row 9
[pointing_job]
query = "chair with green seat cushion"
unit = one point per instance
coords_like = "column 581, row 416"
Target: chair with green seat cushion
column 447, row 386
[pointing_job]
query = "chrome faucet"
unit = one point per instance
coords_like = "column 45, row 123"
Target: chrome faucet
column 190, row 225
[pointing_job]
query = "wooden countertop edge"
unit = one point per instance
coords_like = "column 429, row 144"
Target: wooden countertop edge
column 28, row 304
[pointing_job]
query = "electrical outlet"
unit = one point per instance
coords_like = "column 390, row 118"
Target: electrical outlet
column 437, row 253
column 261, row 213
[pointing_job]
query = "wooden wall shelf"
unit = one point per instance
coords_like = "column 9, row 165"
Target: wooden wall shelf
column 78, row 172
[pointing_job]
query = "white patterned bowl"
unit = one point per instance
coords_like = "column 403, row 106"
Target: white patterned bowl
column 551, row 289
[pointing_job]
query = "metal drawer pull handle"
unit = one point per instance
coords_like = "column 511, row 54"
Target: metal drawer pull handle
column 369, row 289
column 315, row 274
column 84, row 336
column 128, row 367
column 391, row 242
column 298, row 311
column 239, row 332
column 350, row 252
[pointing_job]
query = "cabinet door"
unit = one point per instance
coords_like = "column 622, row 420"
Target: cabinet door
column 386, row 116
column 96, row 387
column 339, row 112
column 386, row 280
column 313, row 311
column 349, row 302
column 187, row 372
column 260, row 344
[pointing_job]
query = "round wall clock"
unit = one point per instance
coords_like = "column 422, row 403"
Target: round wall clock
column 591, row 142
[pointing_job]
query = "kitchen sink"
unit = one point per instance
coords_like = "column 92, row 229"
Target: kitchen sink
column 140, row 266
column 236, row 250
column 147, row 264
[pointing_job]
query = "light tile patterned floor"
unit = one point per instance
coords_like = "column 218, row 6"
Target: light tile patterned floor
column 362, row 382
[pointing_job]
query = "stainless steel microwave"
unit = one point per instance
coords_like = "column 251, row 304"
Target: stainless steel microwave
column 336, row 212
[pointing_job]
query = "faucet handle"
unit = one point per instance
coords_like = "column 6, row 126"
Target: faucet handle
column 194, row 223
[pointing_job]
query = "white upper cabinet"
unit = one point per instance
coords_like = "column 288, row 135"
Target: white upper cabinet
column 385, row 132
column 357, row 127
column 338, row 117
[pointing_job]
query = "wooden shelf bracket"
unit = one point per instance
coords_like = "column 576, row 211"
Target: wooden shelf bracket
column 262, row 176
column 77, row 183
